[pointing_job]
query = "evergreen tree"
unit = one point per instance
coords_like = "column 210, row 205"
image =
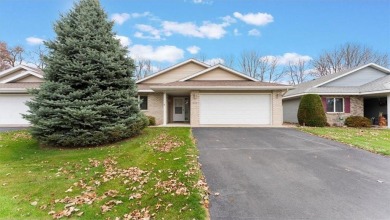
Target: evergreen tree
column 89, row 95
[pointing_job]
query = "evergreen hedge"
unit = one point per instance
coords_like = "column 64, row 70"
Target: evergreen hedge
column 311, row 112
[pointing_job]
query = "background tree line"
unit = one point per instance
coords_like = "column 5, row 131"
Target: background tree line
column 252, row 63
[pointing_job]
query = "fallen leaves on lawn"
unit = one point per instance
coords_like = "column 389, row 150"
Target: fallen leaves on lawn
column 172, row 185
column 165, row 143
column 109, row 205
column 142, row 214
column 21, row 135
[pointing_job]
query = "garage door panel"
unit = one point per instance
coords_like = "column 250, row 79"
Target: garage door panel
column 11, row 109
column 235, row 109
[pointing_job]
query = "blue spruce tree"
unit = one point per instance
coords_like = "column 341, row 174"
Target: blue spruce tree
column 89, row 95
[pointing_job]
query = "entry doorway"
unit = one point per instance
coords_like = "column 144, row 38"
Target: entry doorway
column 180, row 109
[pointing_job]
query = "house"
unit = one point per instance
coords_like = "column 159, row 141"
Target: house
column 190, row 92
column 14, row 83
column 361, row 91
column 197, row 94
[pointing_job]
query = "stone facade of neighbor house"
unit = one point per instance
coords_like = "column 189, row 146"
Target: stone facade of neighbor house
column 364, row 90
column 357, row 109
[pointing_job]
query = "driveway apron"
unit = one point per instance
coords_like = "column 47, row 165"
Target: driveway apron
column 282, row 173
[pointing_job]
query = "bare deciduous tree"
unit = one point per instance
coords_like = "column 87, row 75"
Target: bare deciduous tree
column 262, row 68
column 250, row 63
column 143, row 68
column 37, row 57
column 268, row 69
column 10, row 56
column 229, row 60
column 297, row 71
column 347, row 56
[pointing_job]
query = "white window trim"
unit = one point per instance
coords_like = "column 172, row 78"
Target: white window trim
column 334, row 105
column 139, row 104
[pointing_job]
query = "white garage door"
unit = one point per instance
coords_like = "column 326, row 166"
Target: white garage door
column 11, row 108
column 235, row 109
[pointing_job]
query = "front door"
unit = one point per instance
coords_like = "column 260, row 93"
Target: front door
column 178, row 109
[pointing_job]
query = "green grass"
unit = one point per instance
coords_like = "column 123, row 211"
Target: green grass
column 374, row 140
column 33, row 179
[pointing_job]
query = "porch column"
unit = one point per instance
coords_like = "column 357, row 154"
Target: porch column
column 388, row 110
column 165, row 106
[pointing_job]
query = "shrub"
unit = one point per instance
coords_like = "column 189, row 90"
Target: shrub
column 357, row 122
column 311, row 112
column 152, row 120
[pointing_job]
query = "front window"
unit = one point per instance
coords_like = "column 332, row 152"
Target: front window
column 334, row 105
column 143, row 102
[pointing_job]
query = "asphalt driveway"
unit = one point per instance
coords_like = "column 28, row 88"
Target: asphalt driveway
column 282, row 173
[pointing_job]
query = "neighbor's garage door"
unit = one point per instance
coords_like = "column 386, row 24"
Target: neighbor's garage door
column 235, row 109
column 11, row 108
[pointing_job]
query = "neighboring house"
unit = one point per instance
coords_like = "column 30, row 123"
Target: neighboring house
column 195, row 93
column 190, row 92
column 362, row 91
column 14, row 83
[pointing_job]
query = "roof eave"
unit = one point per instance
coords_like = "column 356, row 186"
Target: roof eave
column 237, row 88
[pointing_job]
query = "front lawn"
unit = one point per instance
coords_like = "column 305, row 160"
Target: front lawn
column 154, row 175
column 374, row 140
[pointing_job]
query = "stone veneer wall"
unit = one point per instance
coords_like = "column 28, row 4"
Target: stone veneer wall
column 356, row 106
column 155, row 106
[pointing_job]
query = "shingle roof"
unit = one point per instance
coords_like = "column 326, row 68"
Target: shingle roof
column 310, row 86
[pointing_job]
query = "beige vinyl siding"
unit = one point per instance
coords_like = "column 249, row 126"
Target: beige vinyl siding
column 11, row 75
column 218, row 74
column 30, row 79
column 177, row 73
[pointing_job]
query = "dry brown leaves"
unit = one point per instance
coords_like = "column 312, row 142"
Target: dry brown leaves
column 165, row 143
column 21, row 135
column 109, row 205
column 142, row 214
column 171, row 186
column 89, row 196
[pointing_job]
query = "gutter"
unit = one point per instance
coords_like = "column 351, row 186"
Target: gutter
column 254, row 88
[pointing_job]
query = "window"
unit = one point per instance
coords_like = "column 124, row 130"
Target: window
column 334, row 105
column 143, row 102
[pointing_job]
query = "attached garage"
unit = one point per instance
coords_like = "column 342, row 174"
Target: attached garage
column 12, row 108
column 235, row 109
column 14, row 84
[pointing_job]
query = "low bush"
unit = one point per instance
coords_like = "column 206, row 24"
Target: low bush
column 311, row 112
column 152, row 120
column 357, row 122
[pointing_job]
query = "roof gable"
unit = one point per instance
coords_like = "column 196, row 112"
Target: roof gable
column 218, row 72
column 21, row 73
column 324, row 85
column 176, row 72
column 337, row 76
